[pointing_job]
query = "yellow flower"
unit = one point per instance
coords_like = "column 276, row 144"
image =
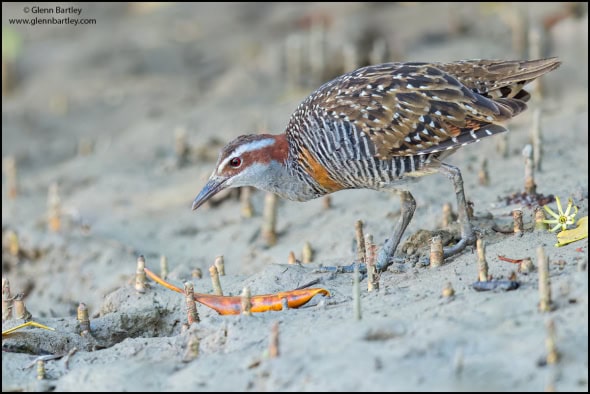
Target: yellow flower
column 562, row 219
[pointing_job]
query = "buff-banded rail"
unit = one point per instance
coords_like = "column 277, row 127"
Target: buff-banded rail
column 380, row 127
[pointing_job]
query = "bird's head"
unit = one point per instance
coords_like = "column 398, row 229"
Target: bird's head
column 249, row 160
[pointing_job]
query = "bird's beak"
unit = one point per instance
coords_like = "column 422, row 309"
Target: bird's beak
column 213, row 186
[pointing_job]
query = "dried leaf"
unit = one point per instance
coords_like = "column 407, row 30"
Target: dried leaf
column 228, row 305
column 27, row 324
column 568, row 236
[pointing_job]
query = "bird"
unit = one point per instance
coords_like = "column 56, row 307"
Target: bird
column 382, row 127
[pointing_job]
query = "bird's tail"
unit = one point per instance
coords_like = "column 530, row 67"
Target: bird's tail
column 500, row 79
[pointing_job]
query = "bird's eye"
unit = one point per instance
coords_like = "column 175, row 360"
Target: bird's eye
column 235, row 162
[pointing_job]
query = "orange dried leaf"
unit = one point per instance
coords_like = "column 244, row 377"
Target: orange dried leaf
column 231, row 305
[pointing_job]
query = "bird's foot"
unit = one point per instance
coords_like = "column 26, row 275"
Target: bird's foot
column 349, row 269
column 416, row 249
column 451, row 251
column 340, row 269
column 389, row 254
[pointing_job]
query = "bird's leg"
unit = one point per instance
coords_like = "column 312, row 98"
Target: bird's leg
column 408, row 206
column 467, row 234
column 385, row 256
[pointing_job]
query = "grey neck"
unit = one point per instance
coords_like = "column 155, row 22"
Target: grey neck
column 283, row 181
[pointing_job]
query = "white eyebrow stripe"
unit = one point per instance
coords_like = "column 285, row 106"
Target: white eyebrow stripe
column 249, row 147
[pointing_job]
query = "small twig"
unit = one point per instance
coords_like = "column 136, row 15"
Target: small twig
column 458, row 362
column 350, row 56
column 40, row 369
column 192, row 348
column 85, row 146
column 360, row 242
column 246, row 204
column 9, row 164
column 294, row 49
column 436, row 251
column 163, row 267
column 191, row 305
column 518, row 225
column 181, row 147
column 470, row 214
column 526, row 266
column 197, row 273
column 372, row 275
column 481, row 261
column 215, row 280
column 530, row 187
column 292, row 259
column 307, row 253
column 483, row 174
column 273, row 347
column 356, row 292
column 246, row 301
column 140, row 278
column 553, row 355
column 13, row 243
column 53, row 208
column 537, row 139
column 20, row 309
column 7, row 300
column 83, row 319
column 327, row 202
column 540, row 225
column 68, row 356
column 448, row 290
column 220, row 265
column 536, row 39
column 545, row 304
column 316, row 51
column 378, row 53
column 269, row 219
column 513, row 277
column 447, row 214
column 502, row 145
column 519, row 22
